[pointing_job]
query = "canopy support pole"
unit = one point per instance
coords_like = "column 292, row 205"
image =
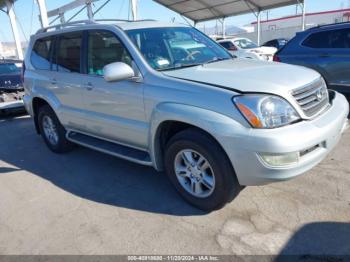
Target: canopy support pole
column 43, row 14
column 90, row 13
column 12, row 16
column 224, row 28
column 258, row 16
column 303, row 26
column 133, row 4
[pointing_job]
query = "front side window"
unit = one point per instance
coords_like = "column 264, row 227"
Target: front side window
column 341, row 38
column 176, row 47
column 245, row 43
column 40, row 56
column 68, row 52
column 104, row 48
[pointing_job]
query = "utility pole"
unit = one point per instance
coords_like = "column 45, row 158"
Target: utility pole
column 12, row 16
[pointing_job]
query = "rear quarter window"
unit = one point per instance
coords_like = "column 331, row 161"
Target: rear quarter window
column 40, row 56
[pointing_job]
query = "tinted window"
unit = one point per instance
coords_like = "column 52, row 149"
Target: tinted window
column 227, row 45
column 341, row 38
column 40, row 56
column 104, row 48
column 68, row 52
column 319, row 40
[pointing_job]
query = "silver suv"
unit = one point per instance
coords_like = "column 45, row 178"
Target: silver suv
column 167, row 96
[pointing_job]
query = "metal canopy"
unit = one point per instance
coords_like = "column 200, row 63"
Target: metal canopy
column 204, row 10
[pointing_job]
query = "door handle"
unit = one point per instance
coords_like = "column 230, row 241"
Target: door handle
column 53, row 81
column 89, row 86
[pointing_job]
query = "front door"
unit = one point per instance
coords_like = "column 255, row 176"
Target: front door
column 115, row 110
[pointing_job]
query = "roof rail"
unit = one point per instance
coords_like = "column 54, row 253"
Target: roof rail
column 86, row 22
column 329, row 25
column 60, row 26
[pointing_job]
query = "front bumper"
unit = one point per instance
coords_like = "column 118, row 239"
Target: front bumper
column 320, row 134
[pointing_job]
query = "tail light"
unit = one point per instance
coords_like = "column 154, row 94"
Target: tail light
column 23, row 71
column 276, row 58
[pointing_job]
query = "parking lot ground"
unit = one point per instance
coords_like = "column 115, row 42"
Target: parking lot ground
column 86, row 202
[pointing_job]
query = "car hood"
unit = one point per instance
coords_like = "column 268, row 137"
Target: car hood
column 10, row 82
column 245, row 75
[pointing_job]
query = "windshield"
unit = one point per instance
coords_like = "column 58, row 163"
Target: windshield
column 245, row 43
column 176, row 47
column 9, row 69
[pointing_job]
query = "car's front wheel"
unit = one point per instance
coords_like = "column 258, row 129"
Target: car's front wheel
column 200, row 170
column 52, row 131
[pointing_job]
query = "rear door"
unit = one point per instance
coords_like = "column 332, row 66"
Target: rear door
column 328, row 52
column 340, row 67
column 66, row 80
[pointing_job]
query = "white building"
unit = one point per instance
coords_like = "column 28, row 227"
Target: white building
column 312, row 19
column 287, row 27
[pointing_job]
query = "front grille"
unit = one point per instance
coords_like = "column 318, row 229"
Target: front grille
column 312, row 98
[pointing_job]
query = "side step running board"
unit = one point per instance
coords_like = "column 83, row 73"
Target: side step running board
column 117, row 150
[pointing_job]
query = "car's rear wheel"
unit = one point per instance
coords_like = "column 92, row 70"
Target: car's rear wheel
column 200, row 170
column 52, row 131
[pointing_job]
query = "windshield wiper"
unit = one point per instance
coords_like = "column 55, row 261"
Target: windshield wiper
column 217, row 60
column 181, row 66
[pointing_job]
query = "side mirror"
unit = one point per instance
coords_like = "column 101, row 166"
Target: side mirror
column 117, row 71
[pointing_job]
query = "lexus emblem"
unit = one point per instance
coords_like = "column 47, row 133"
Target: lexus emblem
column 319, row 94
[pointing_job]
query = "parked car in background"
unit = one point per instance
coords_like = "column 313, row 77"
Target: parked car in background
column 11, row 87
column 325, row 49
column 166, row 95
column 245, row 48
column 278, row 43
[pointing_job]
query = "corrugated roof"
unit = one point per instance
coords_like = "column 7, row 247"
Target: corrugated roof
column 203, row 10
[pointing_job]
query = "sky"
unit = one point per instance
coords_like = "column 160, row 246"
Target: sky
column 28, row 22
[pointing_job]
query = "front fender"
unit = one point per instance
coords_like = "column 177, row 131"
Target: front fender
column 216, row 124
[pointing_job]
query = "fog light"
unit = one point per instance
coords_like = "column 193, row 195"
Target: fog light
column 280, row 160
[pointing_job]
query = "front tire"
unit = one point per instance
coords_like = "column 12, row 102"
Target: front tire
column 52, row 131
column 200, row 170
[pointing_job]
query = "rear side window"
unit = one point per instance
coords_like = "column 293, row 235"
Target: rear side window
column 68, row 52
column 105, row 48
column 227, row 45
column 319, row 40
column 40, row 56
column 329, row 39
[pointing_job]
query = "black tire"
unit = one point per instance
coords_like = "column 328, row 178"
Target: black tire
column 226, row 184
column 62, row 145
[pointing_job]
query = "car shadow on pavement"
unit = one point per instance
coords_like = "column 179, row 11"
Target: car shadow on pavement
column 89, row 174
column 321, row 241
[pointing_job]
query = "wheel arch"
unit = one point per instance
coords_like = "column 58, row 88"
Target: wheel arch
column 168, row 119
column 38, row 102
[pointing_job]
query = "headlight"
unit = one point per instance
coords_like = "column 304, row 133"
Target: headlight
column 266, row 111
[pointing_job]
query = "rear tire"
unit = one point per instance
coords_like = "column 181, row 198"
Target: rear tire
column 210, row 182
column 52, row 131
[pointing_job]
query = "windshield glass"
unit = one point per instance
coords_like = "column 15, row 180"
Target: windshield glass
column 245, row 43
column 176, row 47
column 9, row 69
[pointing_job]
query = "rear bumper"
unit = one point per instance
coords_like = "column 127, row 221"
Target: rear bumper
column 9, row 107
column 321, row 134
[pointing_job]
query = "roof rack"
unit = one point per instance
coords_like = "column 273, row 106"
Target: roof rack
column 86, row 22
column 329, row 25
